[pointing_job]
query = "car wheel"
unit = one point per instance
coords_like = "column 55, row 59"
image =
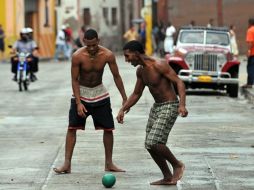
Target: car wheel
column 232, row 90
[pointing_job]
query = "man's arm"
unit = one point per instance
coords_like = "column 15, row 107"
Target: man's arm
column 170, row 74
column 75, row 69
column 117, row 78
column 134, row 97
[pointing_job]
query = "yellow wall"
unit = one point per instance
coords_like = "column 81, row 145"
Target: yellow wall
column 2, row 13
column 12, row 18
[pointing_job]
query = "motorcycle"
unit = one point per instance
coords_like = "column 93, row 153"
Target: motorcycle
column 23, row 67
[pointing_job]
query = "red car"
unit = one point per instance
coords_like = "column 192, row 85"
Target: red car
column 203, row 59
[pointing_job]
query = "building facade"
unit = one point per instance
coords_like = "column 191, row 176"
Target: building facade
column 36, row 14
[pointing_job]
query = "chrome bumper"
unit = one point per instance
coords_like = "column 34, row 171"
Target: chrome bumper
column 191, row 76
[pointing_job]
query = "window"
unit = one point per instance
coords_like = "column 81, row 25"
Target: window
column 105, row 15
column 114, row 16
column 57, row 3
column 46, row 24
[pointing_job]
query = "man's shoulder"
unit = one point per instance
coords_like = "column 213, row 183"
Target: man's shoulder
column 106, row 51
column 79, row 51
column 159, row 64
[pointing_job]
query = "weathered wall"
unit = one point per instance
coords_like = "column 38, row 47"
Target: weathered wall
column 236, row 12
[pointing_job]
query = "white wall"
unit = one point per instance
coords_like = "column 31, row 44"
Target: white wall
column 67, row 13
column 108, row 33
column 98, row 21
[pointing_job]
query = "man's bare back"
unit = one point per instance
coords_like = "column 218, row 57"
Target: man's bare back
column 160, row 87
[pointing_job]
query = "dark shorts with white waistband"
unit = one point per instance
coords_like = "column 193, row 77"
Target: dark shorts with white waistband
column 100, row 111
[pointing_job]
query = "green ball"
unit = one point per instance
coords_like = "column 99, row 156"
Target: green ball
column 108, row 180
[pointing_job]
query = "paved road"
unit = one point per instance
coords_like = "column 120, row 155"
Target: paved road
column 215, row 141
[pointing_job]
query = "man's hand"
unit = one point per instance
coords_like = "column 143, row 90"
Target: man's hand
column 123, row 104
column 182, row 111
column 81, row 109
column 120, row 116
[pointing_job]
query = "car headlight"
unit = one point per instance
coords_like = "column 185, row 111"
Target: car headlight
column 221, row 59
column 189, row 58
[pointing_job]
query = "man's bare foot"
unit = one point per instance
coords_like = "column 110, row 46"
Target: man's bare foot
column 62, row 170
column 164, row 182
column 178, row 172
column 113, row 168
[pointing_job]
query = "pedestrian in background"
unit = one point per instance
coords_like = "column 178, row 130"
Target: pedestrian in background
column 61, row 44
column 233, row 41
column 2, row 49
column 192, row 23
column 250, row 54
column 210, row 23
column 142, row 34
column 69, row 41
column 161, row 37
column 169, row 39
column 78, row 42
column 131, row 34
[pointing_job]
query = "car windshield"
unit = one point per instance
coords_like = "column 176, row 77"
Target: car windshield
column 197, row 37
column 217, row 38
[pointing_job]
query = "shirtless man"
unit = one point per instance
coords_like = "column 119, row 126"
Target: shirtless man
column 90, row 97
column 159, row 77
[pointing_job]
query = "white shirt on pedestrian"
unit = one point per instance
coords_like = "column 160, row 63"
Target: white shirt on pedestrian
column 60, row 39
column 169, row 39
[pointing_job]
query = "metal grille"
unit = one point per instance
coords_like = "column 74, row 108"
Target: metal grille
column 205, row 62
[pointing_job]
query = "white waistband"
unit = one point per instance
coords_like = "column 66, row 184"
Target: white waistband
column 93, row 94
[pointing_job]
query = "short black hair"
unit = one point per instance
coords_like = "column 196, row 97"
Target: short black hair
column 90, row 34
column 133, row 46
column 251, row 21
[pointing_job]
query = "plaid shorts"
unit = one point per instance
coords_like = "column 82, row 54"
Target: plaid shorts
column 161, row 120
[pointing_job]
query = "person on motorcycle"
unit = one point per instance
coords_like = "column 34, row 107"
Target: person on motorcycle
column 23, row 45
column 34, row 66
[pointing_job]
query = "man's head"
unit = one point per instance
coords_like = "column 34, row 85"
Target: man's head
column 91, row 41
column 24, row 35
column 132, row 51
column 251, row 21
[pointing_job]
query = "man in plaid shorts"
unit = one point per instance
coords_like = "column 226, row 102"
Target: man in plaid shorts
column 159, row 77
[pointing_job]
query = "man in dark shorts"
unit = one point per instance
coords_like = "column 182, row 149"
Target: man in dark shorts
column 159, row 77
column 90, row 97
